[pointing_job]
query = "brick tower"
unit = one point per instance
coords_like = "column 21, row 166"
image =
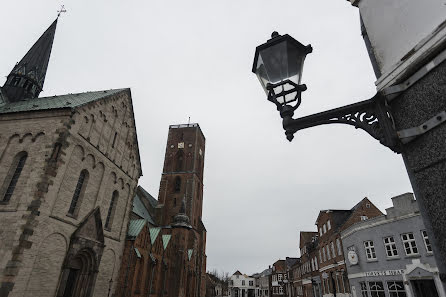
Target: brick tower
column 182, row 176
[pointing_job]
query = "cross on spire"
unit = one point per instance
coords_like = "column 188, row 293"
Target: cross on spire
column 62, row 9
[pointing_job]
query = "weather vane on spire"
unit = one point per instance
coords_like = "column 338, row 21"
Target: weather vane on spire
column 62, row 9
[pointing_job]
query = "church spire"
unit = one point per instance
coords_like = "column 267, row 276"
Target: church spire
column 27, row 77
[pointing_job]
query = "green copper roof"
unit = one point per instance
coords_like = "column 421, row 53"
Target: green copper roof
column 135, row 227
column 56, row 102
column 140, row 210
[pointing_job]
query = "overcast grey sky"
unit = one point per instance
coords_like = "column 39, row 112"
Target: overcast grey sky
column 193, row 58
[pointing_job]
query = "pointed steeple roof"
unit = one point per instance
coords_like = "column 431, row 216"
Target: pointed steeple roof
column 27, row 77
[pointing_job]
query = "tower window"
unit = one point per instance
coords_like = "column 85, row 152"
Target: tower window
column 28, row 85
column 78, row 192
column 111, row 210
column 177, row 184
column 15, row 81
column 20, row 159
column 179, row 161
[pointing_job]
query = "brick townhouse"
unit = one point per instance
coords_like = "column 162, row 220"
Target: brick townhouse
column 321, row 270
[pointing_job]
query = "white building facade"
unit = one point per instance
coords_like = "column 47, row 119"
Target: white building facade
column 241, row 285
column 391, row 255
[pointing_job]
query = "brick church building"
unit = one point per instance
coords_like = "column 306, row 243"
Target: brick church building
column 69, row 167
column 164, row 253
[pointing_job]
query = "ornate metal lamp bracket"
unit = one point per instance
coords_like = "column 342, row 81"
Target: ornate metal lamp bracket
column 372, row 115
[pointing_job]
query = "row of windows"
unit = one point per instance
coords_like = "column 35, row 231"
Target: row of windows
column 327, row 252
column 261, row 292
column 17, row 168
column 325, row 228
column 409, row 245
column 340, row 283
column 278, row 277
column 278, row 290
column 376, row 289
column 27, row 85
column 251, row 283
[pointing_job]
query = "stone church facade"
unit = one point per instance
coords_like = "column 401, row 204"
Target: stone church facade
column 69, row 167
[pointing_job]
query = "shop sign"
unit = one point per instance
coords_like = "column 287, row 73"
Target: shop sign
column 384, row 272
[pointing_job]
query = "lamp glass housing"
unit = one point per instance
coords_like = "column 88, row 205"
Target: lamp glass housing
column 279, row 61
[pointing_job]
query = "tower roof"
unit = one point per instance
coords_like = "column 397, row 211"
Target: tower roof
column 32, row 68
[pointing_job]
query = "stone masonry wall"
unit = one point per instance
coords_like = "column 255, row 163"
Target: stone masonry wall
column 88, row 142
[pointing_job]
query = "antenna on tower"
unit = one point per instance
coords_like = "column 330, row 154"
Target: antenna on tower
column 188, row 122
column 62, row 9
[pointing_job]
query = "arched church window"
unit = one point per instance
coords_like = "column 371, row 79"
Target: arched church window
column 179, row 164
column 78, row 192
column 114, row 139
column 18, row 164
column 140, row 268
column 177, row 184
column 111, row 210
column 56, row 152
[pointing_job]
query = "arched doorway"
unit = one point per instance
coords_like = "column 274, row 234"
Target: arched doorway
column 81, row 264
column 80, row 274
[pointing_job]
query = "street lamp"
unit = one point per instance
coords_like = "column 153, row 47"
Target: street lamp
column 278, row 64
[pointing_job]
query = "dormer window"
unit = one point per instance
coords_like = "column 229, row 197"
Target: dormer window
column 324, row 228
column 328, row 225
column 15, row 81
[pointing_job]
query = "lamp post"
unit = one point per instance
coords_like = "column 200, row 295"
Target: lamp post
column 278, row 64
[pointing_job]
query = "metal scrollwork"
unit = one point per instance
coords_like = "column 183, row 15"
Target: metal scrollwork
column 372, row 116
column 365, row 120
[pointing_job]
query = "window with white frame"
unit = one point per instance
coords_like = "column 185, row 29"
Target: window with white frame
column 333, row 252
column 279, row 277
column 377, row 289
column 320, row 256
column 364, row 292
column 396, row 289
column 324, row 227
column 251, row 283
column 243, row 282
column 280, row 290
column 364, row 218
column 410, row 246
column 328, row 252
column 389, row 244
column 315, row 263
column 370, row 250
column 323, row 253
column 320, row 231
column 328, row 225
column 338, row 245
column 337, row 283
column 312, row 265
column 427, row 243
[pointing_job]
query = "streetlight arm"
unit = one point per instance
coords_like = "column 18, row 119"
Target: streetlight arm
column 371, row 115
